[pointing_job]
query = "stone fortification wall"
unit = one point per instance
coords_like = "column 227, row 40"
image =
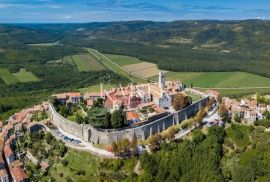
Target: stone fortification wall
column 90, row 134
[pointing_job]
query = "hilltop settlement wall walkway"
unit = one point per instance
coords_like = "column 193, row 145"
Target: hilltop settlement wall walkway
column 90, row 134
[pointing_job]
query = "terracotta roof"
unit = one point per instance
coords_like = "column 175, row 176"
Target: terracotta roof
column 74, row 94
column 18, row 117
column 4, row 134
column 131, row 115
column 9, row 127
column 94, row 94
column 7, row 150
column 89, row 102
column 16, row 163
column 18, row 173
column 60, row 96
column 3, row 173
column 158, row 109
column 44, row 165
column 65, row 95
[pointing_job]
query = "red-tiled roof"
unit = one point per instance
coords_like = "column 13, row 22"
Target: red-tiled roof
column 94, row 94
column 89, row 102
column 74, row 94
column 44, row 165
column 16, row 163
column 7, row 150
column 18, row 173
column 131, row 115
column 4, row 134
column 65, row 95
column 9, row 127
column 158, row 109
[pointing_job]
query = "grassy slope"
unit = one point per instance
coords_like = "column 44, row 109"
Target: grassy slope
column 8, row 77
column 239, row 134
column 220, row 79
column 78, row 160
column 122, row 60
column 86, row 62
column 114, row 67
column 96, row 88
column 25, row 76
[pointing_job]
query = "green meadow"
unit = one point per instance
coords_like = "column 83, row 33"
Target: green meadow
column 22, row 76
column 220, row 79
column 7, row 77
column 122, row 60
column 25, row 76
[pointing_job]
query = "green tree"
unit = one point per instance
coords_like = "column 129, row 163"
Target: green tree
column 118, row 119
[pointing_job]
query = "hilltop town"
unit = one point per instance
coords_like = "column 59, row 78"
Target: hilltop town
column 139, row 105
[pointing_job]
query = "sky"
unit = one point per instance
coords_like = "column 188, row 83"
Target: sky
column 75, row 11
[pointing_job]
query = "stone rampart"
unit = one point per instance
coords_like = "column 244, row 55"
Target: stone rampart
column 90, row 134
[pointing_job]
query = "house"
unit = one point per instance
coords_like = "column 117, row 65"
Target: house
column 18, row 174
column 44, row 165
column 9, row 129
column 132, row 117
column 4, row 175
column 9, row 155
column 89, row 103
column 94, row 95
column 72, row 97
column 214, row 94
column 250, row 116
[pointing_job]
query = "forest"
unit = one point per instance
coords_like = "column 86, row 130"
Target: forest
column 175, row 46
column 238, row 153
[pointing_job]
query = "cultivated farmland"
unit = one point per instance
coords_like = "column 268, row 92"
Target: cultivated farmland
column 85, row 62
column 143, row 69
column 113, row 66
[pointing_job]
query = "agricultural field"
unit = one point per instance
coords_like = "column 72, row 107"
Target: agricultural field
column 25, row 76
column 143, row 69
column 122, row 60
column 85, row 62
column 114, row 67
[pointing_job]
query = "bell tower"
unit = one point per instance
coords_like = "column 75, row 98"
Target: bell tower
column 161, row 81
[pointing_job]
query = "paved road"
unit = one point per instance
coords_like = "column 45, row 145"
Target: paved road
column 84, row 146
column 88, row 146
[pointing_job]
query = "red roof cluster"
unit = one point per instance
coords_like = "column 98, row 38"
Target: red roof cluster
column 18, row 173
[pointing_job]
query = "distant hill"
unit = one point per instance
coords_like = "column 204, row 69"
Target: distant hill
column 175, row 46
